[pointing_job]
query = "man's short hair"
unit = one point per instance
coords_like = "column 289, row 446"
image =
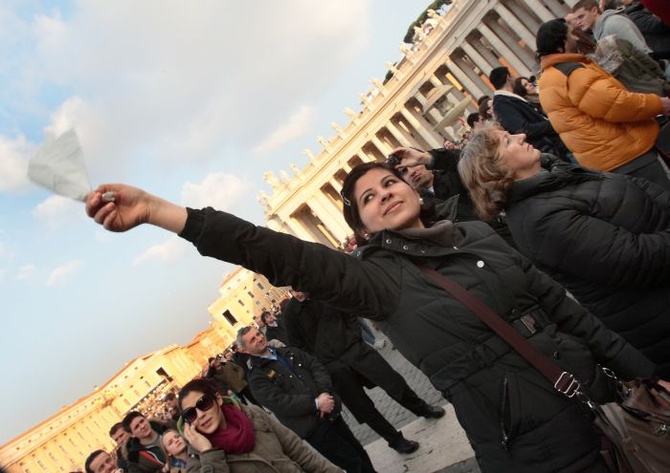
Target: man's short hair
column 170, row 396
column 483, row 99
column 241, row 333
column 586, row 5
column 129, row 418
column 472, row 119
column 498, row 77
column 264, row 316
column 90, row 459
column 115, row 428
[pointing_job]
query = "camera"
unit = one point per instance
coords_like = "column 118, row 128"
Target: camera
column 393, row 160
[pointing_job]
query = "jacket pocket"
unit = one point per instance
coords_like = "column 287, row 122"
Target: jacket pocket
column 508, row 416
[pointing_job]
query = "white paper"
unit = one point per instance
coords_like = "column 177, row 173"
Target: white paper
column 59, row 166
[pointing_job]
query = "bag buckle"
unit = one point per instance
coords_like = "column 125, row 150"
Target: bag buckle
column 566, row 384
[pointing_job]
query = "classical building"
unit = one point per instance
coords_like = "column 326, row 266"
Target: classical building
column 243, row 296
column 438, row 79
column 62, row 442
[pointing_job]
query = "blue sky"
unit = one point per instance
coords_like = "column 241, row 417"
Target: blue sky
column 189, row 100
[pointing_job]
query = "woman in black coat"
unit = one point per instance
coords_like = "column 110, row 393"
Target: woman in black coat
column 515, row 419
column 605, row 237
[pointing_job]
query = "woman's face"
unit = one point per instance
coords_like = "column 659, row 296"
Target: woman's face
column 528, row 85
column 386, row 201
column 173, row 443
column 208, row 421
column 519, row 157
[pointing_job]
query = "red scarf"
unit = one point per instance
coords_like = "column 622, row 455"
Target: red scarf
column 238, row 436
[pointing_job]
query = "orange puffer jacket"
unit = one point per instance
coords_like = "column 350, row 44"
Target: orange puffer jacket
column 602, row 123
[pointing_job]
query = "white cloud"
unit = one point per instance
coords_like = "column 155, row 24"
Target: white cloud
column 62, row 273
column 14, row 153
column 56, row 211
column 168, row 252
column 181, row 80
column 27, row 272
column 219, row 190
column 298, row 125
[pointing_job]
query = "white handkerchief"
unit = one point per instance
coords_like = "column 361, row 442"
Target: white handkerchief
column 59, row 166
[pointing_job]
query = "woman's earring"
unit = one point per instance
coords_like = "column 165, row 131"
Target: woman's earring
column 366, row 236
column 420, row 200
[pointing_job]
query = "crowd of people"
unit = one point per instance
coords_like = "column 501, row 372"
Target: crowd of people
column 554, row 211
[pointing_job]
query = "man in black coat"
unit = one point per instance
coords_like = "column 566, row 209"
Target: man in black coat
column 297, row 389
column 516, row 116
column 334, row 337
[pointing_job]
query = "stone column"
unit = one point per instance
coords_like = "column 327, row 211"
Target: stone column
column 483, row 88
column 477, row 58
column 329, row 215
column 505, row 52
column 540, row 10
column 383, row 148
column 496, row 30
column 478, row 43
column 422, row 129
column 518, row 26
column 469, row 85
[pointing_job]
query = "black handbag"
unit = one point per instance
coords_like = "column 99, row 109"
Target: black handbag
column 636, row 429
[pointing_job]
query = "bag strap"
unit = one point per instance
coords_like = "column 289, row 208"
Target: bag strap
column 564, row 382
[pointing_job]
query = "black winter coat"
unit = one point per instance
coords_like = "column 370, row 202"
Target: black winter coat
column 656, row 33
column 291, row 393
column 606, row 238
column 515, row 420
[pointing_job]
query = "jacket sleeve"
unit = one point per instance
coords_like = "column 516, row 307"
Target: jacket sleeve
column 295, row 448
column 211, row 461
column 294, row 331
column 599, row 95
column 598, row 250
column 319, row 373
column 343, row 281
column 514, row 122
column 608, row 348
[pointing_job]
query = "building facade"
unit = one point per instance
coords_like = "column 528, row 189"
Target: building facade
column 62, row 442
column 438, row 79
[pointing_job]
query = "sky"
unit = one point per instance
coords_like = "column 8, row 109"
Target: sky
column 192, row 101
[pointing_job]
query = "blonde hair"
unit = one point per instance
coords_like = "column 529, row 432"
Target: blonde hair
column 483, row 172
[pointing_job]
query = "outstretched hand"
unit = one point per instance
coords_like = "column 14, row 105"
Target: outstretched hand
column 129, row 208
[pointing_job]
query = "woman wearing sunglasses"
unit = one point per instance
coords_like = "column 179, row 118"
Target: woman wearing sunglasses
column 515, row 420
column 229, row 437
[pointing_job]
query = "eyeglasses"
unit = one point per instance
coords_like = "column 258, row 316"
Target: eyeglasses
column 203, row 404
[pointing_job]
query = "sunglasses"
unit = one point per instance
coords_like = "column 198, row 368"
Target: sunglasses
column 203, row 404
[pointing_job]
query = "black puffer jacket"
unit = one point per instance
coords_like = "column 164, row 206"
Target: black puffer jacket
column 513, row 417
column 606, row 237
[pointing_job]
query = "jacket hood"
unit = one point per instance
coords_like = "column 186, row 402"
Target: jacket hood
column 599, row 24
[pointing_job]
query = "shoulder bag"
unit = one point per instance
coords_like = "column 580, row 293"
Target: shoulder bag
column 635, row 430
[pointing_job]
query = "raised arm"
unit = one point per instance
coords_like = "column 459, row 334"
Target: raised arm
column 132, row 207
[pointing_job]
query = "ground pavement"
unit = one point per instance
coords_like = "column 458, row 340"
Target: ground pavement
column 444, row 447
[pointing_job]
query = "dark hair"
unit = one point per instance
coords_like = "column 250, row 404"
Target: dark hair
column 483, row 99
column 115, row 427
column 551, row 37
column 472, row 119
column 129, row 418
column 170, row 396
column 90, row 459
column 518, row 87
column 484, row 111
column 498, row 77
column 200, row 385
column 350, row 209
column 264, row 316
